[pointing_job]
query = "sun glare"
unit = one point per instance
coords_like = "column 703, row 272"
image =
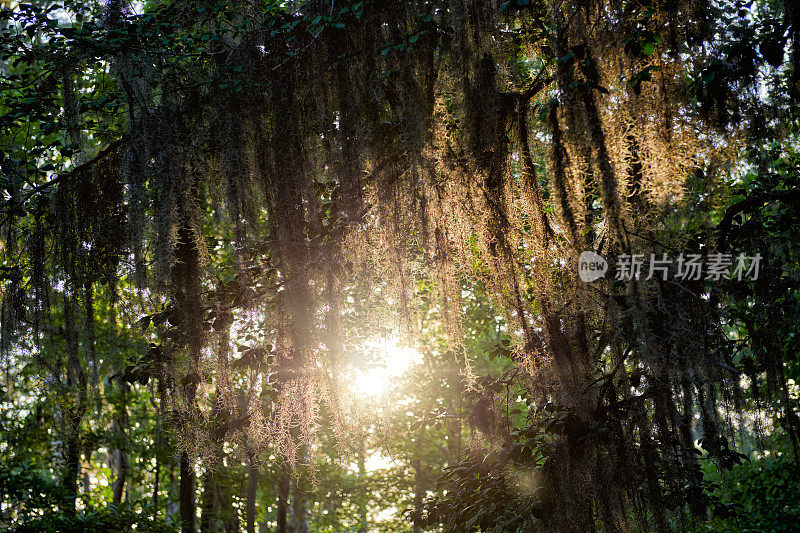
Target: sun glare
column 392, row 361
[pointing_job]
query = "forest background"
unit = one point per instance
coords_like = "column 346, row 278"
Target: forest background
column 313, row 265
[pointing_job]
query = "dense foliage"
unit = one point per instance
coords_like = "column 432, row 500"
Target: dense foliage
column 313, row 266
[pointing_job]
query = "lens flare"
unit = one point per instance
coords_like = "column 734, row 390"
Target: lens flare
column 393, row 360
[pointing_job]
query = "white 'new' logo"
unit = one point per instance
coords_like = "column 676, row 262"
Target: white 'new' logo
column 591, row 266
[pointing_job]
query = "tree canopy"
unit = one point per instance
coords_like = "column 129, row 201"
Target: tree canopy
column 317, row 266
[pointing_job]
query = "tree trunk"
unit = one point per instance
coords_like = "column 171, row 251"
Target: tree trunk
column 122, row 475
column 252, row 487
column 76, row 384
column 171, row 510
column 419, row 490
column 283, row 497
column 186, row 495
column 119, row 459
column 218, row 514
column 299, row 522
column 362, row 502
column 185, row 276
column 155, row 487
column 72, row 468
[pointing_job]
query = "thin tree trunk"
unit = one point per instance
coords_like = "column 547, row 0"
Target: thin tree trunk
column 122, row 476
column 186, row 276
column 186, row 495
column 299, row 522
column 171, row 508
column 362, row 503
column 283, row 497
column 419, row 490
column 72, row 468
column 76, row 383
column 119, row 459
column 155, row 485
column 218, row 514
column 209, row 510
column 252, row 487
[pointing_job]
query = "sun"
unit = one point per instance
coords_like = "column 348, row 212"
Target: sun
column 392, row 360
column 373, row 383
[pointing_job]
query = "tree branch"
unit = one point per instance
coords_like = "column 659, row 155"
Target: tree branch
column 105, row 152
